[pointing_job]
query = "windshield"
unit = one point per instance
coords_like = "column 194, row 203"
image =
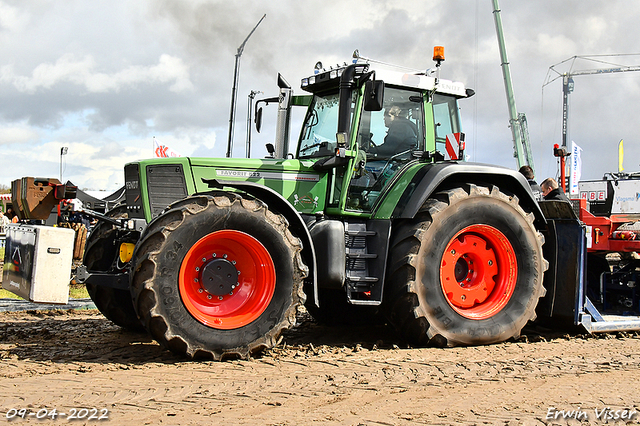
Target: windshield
column 318, row 136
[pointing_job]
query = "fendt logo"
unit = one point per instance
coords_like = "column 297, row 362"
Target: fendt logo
column 133, row 184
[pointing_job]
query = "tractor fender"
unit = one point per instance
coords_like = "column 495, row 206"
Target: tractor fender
column 438, row 176
column 278, row 203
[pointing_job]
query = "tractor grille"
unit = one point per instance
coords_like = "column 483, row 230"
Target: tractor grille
column 166, row 184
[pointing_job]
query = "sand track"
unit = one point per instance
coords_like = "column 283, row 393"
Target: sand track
column 317, row 375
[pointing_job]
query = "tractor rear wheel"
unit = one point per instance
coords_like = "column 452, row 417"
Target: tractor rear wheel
column 218, row 277
column 468, row 271
column 115, row 304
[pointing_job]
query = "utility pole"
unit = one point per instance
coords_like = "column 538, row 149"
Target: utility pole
column 63, row 151
column 234, row 90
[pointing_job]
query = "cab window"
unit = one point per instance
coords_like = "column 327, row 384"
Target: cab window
column 385, row 141
column 445, row 116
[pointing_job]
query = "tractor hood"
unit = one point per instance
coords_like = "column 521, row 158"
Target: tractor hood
column 296, row 180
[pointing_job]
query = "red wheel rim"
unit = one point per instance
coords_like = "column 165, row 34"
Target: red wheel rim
column 227, row 279
column 478, row 272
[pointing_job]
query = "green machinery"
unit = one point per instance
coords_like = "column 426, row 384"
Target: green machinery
column 371, row 216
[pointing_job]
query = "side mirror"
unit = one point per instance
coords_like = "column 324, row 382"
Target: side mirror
column 258, row 119
column 330, row 163
column 271, row 150
column 373, row 95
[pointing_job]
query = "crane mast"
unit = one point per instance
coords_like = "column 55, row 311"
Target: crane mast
column 517, row 122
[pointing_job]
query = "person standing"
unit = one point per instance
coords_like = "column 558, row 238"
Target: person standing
column 527, row 172
column 13, row 217
column 4, row 221
column 551, row 190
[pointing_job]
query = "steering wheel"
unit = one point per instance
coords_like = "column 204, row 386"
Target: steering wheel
column 366, row 143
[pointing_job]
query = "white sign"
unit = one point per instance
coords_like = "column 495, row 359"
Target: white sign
column 576, row 168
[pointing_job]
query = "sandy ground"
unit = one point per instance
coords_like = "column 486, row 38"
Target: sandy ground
column 70, row 360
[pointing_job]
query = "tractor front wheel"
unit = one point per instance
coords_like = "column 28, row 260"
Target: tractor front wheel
column 218, row 277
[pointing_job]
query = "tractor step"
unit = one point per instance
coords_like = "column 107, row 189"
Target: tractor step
column 355, row 279
column 365, row 244
column 362, row 255
column 360, row 233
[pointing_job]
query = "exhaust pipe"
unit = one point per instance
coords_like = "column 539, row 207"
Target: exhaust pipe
column 283, row 121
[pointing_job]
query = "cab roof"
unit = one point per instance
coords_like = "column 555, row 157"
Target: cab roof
column 325, row 80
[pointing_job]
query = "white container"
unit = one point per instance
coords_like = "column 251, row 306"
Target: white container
column 37, row 262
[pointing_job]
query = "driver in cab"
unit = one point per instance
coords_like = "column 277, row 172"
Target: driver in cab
column 401, row 135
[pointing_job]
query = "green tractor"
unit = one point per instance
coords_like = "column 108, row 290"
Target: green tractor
column 371, row 215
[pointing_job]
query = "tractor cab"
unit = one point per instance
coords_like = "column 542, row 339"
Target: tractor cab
column 364, row 125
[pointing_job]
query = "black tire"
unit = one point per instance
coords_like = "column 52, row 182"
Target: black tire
column 434, row 254
column 190, row 312
column 336, row 311
column 115, row 304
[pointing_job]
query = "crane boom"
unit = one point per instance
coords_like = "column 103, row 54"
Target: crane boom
column 567, row 85
column 517, row 122
column 606, row 70
column 567, row 88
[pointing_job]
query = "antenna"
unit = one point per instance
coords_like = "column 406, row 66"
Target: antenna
column 234, row 90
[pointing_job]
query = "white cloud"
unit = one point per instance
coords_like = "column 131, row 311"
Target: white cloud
column 12, row 18
column 82, row 72
column 19, row 134
column 103, row 77
column 98, row 166
column 555, row 44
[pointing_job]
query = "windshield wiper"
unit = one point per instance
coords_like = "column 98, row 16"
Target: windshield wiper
column 315, row 145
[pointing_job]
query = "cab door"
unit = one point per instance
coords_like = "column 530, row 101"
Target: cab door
column 384, row 144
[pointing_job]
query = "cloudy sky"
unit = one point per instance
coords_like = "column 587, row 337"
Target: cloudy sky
column 104, row 77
